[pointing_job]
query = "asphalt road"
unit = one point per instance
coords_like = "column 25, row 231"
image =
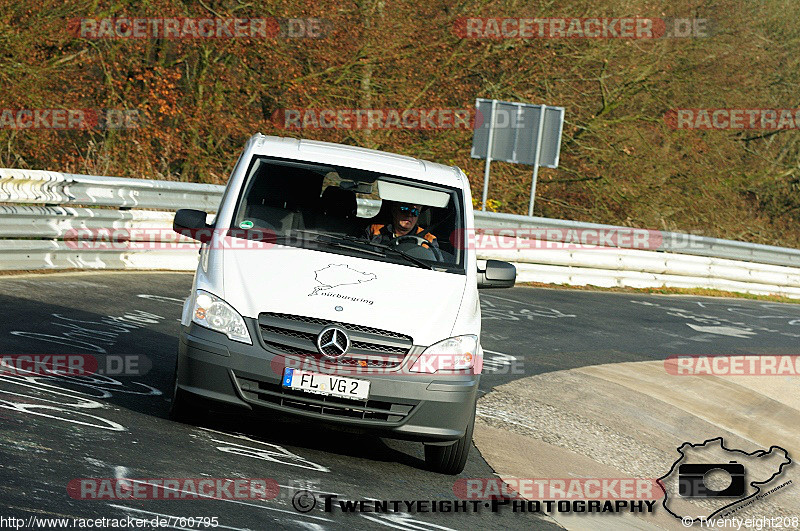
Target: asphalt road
column 55, row 430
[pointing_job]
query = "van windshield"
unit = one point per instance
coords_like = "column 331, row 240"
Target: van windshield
column 352, row 212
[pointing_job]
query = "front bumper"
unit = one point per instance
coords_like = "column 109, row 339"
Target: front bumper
column 402, row 405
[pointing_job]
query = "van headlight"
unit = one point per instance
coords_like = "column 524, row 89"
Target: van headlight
column 212, row 312
column 454, row 354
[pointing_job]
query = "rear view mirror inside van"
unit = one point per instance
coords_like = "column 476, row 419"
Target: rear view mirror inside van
column 402, row 193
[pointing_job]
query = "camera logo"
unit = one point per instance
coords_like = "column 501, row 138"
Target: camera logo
column 709, row 479
column 696, row 480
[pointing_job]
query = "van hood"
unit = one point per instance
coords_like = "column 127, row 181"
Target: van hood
column 407, row 299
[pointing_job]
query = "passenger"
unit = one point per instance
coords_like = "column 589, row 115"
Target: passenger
column 404, row 222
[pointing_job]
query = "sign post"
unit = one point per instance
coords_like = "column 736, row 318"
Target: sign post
column 488, row 157
column 536, row 157
column 527, row 134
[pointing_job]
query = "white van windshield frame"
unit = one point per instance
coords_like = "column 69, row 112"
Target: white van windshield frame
column 299, row 216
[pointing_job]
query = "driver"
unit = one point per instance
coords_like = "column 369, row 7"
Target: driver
column 404, row 222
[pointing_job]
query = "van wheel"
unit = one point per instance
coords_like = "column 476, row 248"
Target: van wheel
column 183, row 408
column 451, row 459
column 183, row 411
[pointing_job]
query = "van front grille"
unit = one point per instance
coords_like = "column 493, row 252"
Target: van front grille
column 369, row 347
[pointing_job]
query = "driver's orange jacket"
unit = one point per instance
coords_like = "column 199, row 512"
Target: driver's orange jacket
column 379, row 233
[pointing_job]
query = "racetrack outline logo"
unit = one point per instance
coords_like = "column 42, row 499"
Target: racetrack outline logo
column 335, row 275
column 689, row 520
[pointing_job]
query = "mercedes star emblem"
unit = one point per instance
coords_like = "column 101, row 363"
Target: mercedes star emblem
column 333, row 342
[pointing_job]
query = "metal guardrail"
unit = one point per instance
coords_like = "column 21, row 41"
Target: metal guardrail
column 54, row 188
column 33, row 237
column 55, row 222
column 671, row 241
column 612, row 267
column 19, row 255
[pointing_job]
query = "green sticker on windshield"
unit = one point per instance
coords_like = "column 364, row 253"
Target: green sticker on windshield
column 246, row 224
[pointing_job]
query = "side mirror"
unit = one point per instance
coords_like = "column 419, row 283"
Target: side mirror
column 192, row 224
column 497, row 275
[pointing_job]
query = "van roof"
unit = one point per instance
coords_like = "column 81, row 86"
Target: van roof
column 355, row 157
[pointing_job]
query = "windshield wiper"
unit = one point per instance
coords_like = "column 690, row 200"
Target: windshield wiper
column 401, row 253
column 336, row 240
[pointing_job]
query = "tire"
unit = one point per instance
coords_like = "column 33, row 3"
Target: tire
column 451, row 459
column 183, row 408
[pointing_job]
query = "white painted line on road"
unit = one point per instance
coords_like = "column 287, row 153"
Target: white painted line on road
column 170, row 516
column 37, row 409
column 120, row 472
column 161, row 298
column 262, row 453
column 539, row 310
column 504, row 299
column 498, row 361
column 404, row 521
column 269, row 455
column 723, row 330
column 308, row 525
column 501, row 353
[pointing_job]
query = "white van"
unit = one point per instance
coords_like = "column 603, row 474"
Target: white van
column 334, row 286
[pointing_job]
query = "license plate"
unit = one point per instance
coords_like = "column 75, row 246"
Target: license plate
column 326, row 384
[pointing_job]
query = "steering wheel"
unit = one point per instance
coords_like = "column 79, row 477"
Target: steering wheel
column 418, row 240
